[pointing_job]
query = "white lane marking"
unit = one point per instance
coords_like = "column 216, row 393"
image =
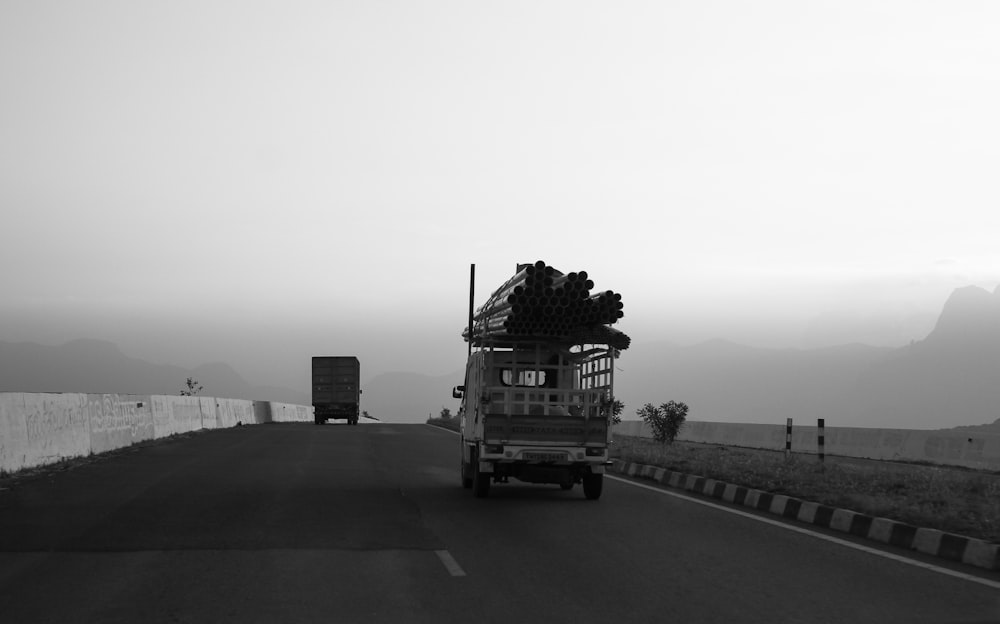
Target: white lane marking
column 804, row 531
column 449, row 563
column 829, row 538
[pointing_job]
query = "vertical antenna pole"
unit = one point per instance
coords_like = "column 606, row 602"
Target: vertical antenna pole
column 472, row 300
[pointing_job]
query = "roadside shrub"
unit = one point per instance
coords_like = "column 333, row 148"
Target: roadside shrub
column 665, row 421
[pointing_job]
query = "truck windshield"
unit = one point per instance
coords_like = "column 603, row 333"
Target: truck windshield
column 525, row 378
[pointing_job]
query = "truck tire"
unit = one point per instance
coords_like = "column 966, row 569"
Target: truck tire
column 592, row 486
column 480, row 479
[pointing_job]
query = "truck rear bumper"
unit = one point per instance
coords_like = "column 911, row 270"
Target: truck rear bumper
column 600, row 468
column 336, row 410
column 539, row 472
column 548, row 454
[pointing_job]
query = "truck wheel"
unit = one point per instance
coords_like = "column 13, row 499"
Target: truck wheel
column 480, row 479
column 592, row 486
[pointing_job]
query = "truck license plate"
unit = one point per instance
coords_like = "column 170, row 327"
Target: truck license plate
column 545, row 457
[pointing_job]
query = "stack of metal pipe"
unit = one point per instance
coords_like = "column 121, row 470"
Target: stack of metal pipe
column 540, row 301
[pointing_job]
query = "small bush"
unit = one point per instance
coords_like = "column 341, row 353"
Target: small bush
column 616, row 411
column 665, row 421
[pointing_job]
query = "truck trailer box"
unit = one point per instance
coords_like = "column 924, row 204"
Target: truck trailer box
column 336, row 388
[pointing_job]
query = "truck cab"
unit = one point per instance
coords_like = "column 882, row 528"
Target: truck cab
column 538, row 412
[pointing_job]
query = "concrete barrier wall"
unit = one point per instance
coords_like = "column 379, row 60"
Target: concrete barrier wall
column 209, row 417
column 262, row 412
column 175, row 414
column 43, row 428
column 230, row 412
column 118, row 420
column 288, row 412
column 13, row 435
column 974, row 450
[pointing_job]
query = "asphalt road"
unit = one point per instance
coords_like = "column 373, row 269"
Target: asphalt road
column 298, row 523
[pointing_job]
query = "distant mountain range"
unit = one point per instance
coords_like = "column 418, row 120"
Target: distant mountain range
column 409, row 397
column 98, row 366
column 951, row 378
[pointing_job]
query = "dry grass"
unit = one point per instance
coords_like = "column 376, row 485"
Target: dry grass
column 956, row 500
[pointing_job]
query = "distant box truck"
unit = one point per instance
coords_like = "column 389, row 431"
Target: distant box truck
column 336, row 388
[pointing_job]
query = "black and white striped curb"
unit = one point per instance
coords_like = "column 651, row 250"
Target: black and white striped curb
column 933, row 542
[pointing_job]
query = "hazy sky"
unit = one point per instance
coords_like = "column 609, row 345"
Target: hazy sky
column 258, row 182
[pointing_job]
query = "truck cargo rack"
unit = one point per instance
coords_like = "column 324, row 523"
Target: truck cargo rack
column 520, row 408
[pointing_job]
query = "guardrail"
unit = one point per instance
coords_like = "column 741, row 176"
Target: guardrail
column 946, row 447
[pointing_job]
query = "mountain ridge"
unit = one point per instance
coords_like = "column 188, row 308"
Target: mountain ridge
column 970, row 318
column 93, row 366
column 951, row 378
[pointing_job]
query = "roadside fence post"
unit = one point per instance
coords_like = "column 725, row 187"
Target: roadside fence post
column 821, row 439
column 788, row 438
